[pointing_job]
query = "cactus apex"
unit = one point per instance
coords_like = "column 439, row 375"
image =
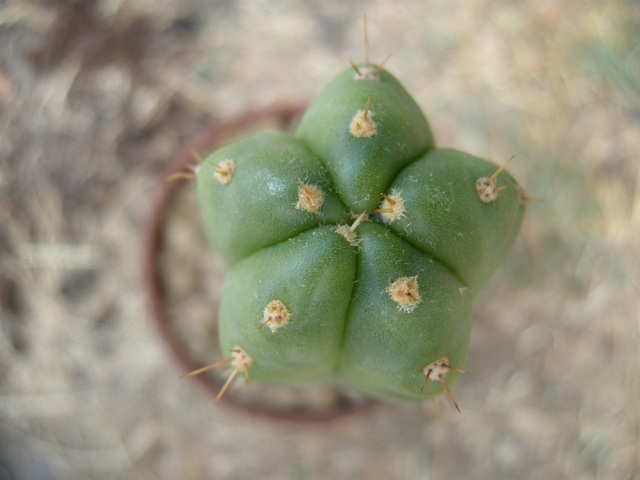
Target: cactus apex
column 349, row 232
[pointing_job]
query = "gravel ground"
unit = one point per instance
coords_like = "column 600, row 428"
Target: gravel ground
column 96, row 96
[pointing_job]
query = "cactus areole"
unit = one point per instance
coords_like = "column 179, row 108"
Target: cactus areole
column 354, row 247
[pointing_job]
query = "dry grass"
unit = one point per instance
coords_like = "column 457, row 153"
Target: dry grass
column 95, row 99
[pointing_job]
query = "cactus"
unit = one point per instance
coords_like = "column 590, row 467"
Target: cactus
column 354, row 246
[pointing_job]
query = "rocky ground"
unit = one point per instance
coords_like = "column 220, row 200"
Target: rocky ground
column 96, row 96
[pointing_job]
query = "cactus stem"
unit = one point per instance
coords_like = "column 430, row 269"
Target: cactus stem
column 439, row 369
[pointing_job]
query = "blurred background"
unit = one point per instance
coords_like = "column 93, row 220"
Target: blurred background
column 96, row 96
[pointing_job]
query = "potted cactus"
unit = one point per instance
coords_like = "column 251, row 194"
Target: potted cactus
column 353, row 246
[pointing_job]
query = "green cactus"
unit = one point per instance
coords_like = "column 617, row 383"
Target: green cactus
column 354, row 247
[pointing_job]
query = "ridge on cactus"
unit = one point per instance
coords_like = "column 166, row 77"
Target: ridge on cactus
column 354, row 247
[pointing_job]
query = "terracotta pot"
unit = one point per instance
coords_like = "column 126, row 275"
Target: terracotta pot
column 172, row 317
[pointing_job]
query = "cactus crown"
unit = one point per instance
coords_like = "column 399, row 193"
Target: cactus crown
column 354, row 246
